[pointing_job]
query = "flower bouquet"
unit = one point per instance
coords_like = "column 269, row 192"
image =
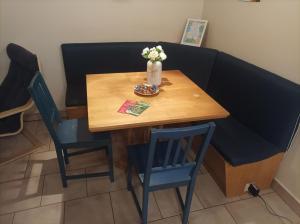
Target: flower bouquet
column 155, row 56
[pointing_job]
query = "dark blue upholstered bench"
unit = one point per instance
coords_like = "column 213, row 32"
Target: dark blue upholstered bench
column 264, row 107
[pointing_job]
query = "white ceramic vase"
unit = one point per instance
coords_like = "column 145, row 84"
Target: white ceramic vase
column 154, row 72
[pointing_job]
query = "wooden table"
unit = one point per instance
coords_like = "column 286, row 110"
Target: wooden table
column 179, row 101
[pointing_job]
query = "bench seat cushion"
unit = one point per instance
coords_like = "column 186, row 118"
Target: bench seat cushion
column 239, row 145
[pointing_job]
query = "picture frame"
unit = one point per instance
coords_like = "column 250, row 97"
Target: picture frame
column 194, row 32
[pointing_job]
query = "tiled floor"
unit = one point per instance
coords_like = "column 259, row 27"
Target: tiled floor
column 31, row 192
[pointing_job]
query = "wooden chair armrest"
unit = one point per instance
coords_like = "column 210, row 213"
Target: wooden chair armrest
column 17, row 110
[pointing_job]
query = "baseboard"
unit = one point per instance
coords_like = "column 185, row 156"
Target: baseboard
column 286, row 195
column 36, row 116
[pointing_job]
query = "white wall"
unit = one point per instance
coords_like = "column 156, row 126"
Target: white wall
column 268, row 35
column 42, row 25
column 289, row 172
column 265, row 33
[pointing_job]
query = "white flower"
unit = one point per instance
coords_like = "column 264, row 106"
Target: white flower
column 159, row 48
column 163, row 56
column 153, row 55
column 146, row 51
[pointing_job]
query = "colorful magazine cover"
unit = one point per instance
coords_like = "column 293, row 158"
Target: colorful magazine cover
column 138, row 108
column 133, row 107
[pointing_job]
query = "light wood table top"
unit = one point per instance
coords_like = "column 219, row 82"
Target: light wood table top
column 180, row 100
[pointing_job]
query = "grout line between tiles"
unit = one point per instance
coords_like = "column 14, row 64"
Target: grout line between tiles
column 27, row 166
column 157, row 205
column 42, row 193
column 64, row 215
column 112, row 209
column 13, row 219
column 24, row 210
column 230, row 214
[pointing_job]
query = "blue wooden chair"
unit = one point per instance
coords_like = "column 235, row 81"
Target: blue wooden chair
column 68, row 133
column 166, row 163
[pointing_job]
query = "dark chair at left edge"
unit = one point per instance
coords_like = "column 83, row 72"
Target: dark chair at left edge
column 15, row 98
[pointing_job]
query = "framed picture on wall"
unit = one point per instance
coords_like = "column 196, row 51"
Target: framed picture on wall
column 194, row 32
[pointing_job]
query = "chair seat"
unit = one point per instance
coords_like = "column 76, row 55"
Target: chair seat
column 138, row 154
column 74, row 134
column 180, row 175
column 239, row 145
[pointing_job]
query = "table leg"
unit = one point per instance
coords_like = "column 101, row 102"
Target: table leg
column 122, row 138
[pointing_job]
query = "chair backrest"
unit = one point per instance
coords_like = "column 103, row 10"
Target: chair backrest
column 45, row 104
column 22, row 68
column 178, row 144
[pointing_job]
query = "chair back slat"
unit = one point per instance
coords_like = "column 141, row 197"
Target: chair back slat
column 45, row 104
column 167, row 157
column 176, row 151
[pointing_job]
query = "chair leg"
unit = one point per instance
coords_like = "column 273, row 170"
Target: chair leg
column 145, row 205
column 66, row 156
column 61, row 165
column 111, row 163
column 129, row 176
column 64, row 180
column 188, row 201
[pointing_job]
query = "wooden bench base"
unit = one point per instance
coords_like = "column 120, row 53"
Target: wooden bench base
column 232, row 180
column 76, row 112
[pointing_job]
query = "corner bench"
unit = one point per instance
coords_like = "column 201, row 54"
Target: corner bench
column 248, row 146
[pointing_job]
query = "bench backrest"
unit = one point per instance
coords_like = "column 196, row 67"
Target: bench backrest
column 261, row 100
column 92, row 58
column 196, row 62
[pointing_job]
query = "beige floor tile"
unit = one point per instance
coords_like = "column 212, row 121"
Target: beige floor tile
column 14, row 170
column 102, row 184
column 92, row 210
column 51, row 146
column 203, row 170
column 168, row 202
column 196, row 204
column 41, row 133
column 6, row 219
column 171, row 220
column 52, row 214
column 42, row 148
column 42, row 163
column 21, row 142
column 251, row 211
column 213, row 215
column 209, row 193
column 153, row 210
column 281, row 208
column 14, row 146
column 53, row 191
column 39, row 130
column 124, row 208
column 92, row 159
column 21, row 194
